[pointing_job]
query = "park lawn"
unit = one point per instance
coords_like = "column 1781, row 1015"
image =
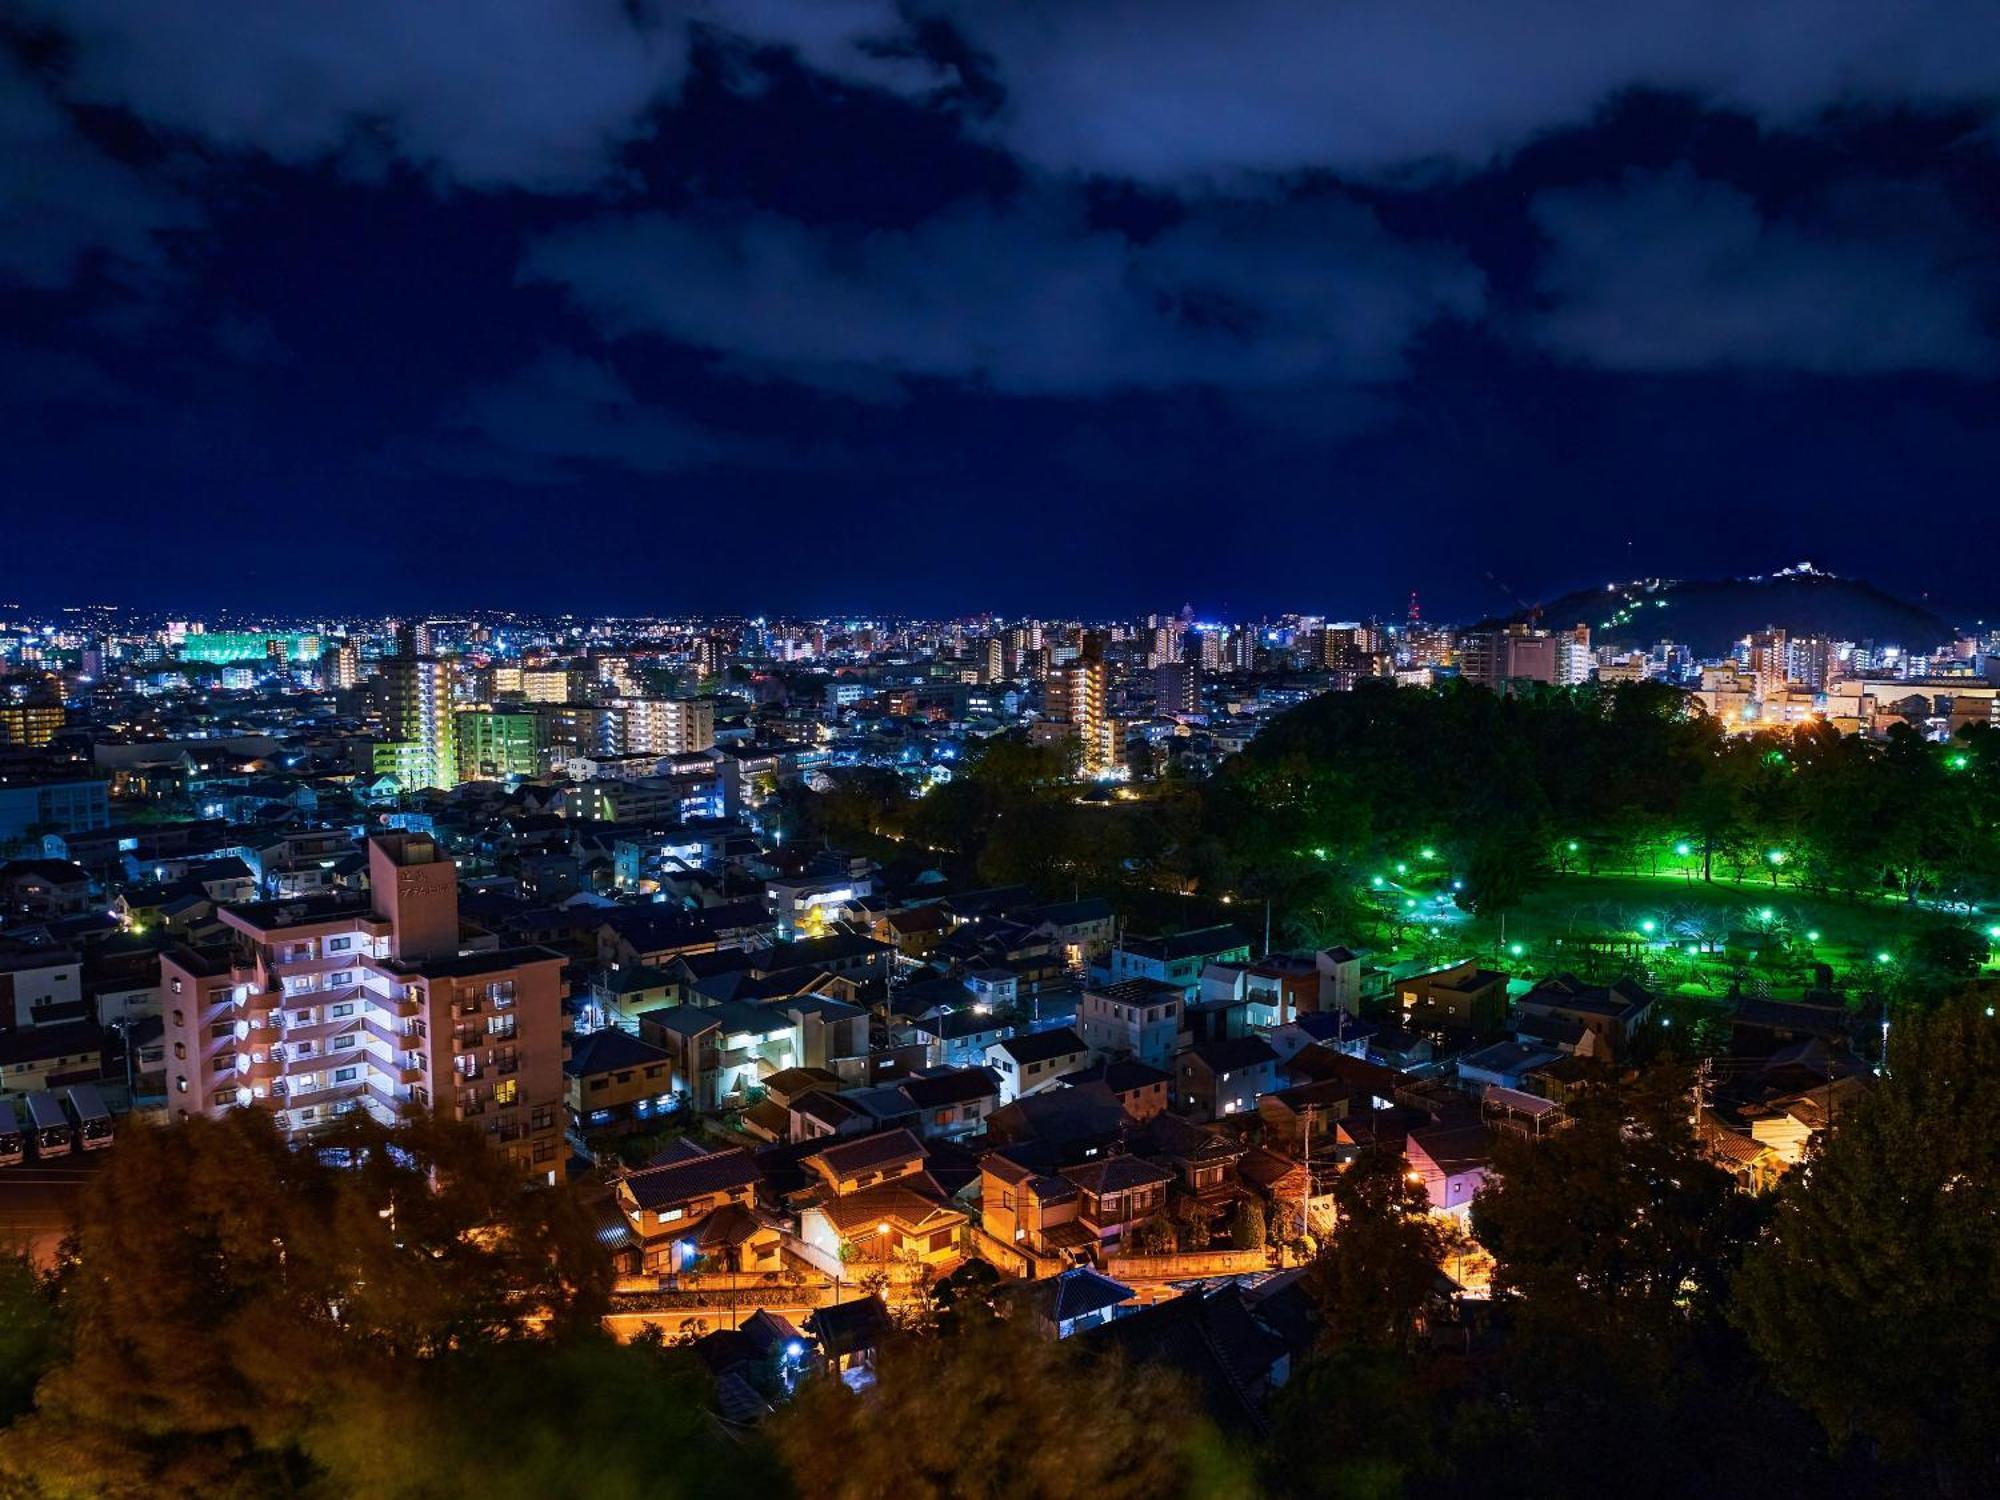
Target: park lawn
column 1566, row 922
column 1606, row 905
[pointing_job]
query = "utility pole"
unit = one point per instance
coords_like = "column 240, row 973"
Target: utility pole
column 1305, row 1193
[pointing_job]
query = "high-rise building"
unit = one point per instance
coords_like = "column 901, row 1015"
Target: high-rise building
column 1574, row 661
column 1177, row 688
column 30, row 724
column 545, row 684
column 325, row 1005
column 420, row 712
column 1518, row 653
column 1770, row 662
column 1075, row 695
column 340, row 665
column 494, row 743
column 1809, row 661
column 667, row 726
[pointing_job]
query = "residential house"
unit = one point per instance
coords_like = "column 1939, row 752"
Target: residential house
column 1178, row 959
column 1134, row 1018
column 1143, row 1091
column 1225, row 1077
column 616, row 1082
column 721, row 1052
column 1453, row 1152
column 959, row 1038
column 1609, row 1013
column 1118, row 1192
column 698, row 1205
column 1462, row 1000
column 1067, row 1303
column 1028, row 1064
column 953, row 1102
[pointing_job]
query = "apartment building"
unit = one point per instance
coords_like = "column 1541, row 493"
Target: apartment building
column 1134, row 1018
column 667, row 726
column 420, row 712
column 325, row 1005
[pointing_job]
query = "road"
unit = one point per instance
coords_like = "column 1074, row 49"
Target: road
column 37, row 1199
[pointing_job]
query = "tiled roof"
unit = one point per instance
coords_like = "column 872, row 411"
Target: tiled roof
column 1042, row 1046
column 870, row 1151
column 713, row 1172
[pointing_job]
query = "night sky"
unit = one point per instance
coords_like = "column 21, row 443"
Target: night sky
column 1052, row 305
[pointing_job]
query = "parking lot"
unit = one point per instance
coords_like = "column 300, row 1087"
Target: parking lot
column 37, row 1199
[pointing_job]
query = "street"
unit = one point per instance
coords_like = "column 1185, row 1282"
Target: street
column 37, row 1199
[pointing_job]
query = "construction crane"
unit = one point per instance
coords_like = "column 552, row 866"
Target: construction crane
column 1532, row 611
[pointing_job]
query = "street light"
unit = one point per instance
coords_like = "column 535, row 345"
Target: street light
column 1649, row 926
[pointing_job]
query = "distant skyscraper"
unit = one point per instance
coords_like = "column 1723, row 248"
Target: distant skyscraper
column 1177, row 687
column 1075, row 696
column 420, row 713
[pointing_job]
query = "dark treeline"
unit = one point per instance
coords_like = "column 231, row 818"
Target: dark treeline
column 236, row 1319
column 1506, row 792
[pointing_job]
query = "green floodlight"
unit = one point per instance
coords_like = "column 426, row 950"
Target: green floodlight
column 1766, row 914
column 1402, row 868
column 1882, row 958
column 1376, row 881
column 1516, row 949
column 1959, row 762
column 1573, row 846
column 1427, row 852
column 1812, row 934
column 1649, row 926
column 1776, row 856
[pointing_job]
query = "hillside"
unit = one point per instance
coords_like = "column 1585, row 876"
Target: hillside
column 1711, row 614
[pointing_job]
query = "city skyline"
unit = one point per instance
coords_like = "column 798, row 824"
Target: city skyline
column 770, row 308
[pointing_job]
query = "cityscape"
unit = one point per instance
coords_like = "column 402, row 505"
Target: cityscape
column 1067, row 751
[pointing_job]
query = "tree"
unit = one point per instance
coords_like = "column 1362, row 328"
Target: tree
column 228, row 1291
column 1617, row 1223
column 32, row 1332
column 1373, row 1279
column 626, row 1422
column 1613, row 1241
column 1873, row 1299
column 1246, row 1226
column 1000, row 1412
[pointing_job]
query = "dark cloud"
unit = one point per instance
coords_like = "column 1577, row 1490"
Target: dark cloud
column 62, row 199
column 1026, row 298
column 1667, row 271
column 1172, row 91
column 485, row 92
column 549, row 423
